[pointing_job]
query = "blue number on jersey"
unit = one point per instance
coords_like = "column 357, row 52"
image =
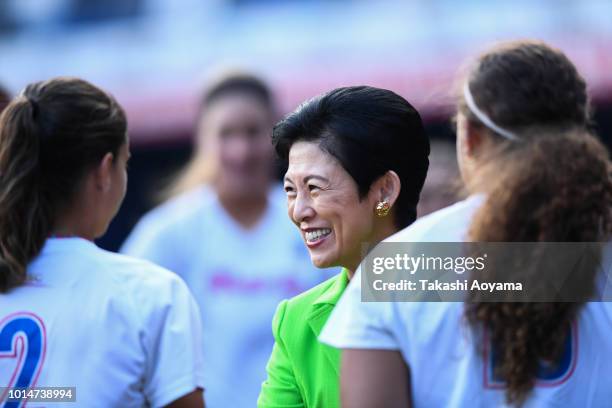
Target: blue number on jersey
column 12, row 331
column 549, row 374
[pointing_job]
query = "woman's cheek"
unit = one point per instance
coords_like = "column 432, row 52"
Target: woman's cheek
column 290, row 205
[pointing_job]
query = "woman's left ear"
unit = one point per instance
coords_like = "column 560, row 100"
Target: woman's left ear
column 388, row 187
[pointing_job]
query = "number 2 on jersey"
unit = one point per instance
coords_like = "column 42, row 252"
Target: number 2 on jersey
column 549, row 375
column 22, row 352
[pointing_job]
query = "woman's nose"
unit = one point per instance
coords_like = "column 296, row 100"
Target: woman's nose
column 302, row 209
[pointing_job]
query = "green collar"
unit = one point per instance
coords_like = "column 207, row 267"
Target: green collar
column 333, row 292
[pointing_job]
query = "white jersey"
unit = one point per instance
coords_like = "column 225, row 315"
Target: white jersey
column 448, row 367
column 122, row 331
column 237, row 276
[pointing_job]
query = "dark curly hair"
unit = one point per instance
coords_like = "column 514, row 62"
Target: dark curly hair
column 554, row 185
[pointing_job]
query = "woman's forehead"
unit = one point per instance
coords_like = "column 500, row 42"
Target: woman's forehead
column 308, row 154
column 308, row 159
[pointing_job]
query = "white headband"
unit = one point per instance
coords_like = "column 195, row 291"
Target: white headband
column 469, row 100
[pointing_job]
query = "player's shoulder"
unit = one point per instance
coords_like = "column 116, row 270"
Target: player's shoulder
column 430, row 314
column 134, row 274
column 142, row 287
column 425, row 322
column 448, row 224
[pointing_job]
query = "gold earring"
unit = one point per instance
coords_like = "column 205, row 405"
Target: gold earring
column 383, row 208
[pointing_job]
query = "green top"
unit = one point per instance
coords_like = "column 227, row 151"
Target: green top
column 301, row 371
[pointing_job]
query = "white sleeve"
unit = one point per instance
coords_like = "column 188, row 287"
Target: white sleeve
column 173, row 345
column 357, row 324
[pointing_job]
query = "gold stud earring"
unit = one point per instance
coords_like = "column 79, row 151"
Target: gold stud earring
column 383, row 208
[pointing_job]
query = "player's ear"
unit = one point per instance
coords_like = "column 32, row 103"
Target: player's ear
column 103, row 172
column 474, row 139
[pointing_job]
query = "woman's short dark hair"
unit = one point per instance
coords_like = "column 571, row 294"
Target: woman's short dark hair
column 369, row 131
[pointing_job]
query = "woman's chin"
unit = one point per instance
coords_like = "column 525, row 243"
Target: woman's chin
column 322, row 262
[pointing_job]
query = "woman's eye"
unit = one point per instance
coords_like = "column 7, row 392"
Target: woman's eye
column 312, row 187
column 288, row 190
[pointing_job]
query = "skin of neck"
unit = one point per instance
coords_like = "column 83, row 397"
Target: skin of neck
column 384, row 228
column 86, row 215
column 76, row 221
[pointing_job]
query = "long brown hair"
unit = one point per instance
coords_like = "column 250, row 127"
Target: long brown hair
column 4, row 98
column 50, row 136
column 554, row 184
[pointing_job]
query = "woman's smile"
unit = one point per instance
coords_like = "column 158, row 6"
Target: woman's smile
column 316, row 236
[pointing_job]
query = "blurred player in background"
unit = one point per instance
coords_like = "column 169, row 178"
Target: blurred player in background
column 535, row 174
column 124, row 332
column 226, row 232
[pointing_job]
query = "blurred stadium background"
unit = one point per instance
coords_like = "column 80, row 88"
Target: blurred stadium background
column 155, row 57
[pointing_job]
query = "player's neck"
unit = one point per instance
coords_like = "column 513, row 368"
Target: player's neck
column 71, row 231
column 246, row 211
column 74, row 223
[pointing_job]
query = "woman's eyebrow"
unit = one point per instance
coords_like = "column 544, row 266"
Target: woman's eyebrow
column 307, row 178
column 314, row 176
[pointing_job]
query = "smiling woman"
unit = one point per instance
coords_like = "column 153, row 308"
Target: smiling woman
column 324, row 204
column 357, row 159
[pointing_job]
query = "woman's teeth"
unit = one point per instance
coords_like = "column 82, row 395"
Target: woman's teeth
column 314, row 235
